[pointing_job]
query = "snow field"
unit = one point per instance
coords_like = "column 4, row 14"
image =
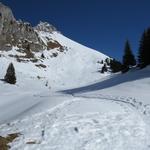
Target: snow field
column 83, row 124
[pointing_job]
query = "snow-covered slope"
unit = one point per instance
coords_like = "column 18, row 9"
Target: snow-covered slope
column 104, row 115
column 77, row 65
column 43, row 52
column 134, row 83
column 73, row 67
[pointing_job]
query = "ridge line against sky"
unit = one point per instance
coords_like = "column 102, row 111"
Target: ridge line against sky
column 103, row 25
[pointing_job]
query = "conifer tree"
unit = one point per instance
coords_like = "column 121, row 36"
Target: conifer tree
column 10, row 76
column 144, row 49
column 128, row 58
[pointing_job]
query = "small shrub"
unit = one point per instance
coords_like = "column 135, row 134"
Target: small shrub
column 42, row 56
column 41, row 65
column 104, row 68
column 107, row 60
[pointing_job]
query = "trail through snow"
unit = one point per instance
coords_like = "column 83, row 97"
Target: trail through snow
column 82, row 124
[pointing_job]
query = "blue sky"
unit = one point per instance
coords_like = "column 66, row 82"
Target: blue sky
column 100, row 24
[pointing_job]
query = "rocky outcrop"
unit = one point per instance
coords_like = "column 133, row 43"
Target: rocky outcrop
column 6, row 15
column 23, row 35
column 46, row 27
column 16, row 33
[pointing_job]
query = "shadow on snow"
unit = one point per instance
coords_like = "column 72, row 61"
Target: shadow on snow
column 113, row 81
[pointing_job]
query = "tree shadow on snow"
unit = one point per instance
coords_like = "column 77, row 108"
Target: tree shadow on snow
column 113, row 81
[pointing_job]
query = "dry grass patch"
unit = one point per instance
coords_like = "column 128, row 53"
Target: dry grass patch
column 54, row 44
column 31, row 142
column 4, row 141
column 40, row 65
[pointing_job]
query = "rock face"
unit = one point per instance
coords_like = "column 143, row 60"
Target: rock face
column 5, row 15
column 20, row 34
column 45, row 26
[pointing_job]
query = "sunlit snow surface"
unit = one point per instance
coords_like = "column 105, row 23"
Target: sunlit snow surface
column 74, row 125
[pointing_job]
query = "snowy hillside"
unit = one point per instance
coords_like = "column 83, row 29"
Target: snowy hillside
column 110, row 113
column 60, row 64
column 75, row 66
column 43, row 53
column 93, row 118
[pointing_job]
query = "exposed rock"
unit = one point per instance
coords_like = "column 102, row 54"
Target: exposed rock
column 41, row 65
column 5, row 15
column 54, row 44
column 23, row 35
column 46, row 27
column 17, row 33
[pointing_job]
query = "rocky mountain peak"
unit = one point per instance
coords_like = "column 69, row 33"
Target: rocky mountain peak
column 45, row 26
column 6, row 13
column 16, row 33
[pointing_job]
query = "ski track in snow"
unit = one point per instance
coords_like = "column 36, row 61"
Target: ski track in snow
column 142, row 108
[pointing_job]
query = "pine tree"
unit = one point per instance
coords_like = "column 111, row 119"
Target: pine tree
column 10, row 76
column 144, row 49
column 128, row 58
